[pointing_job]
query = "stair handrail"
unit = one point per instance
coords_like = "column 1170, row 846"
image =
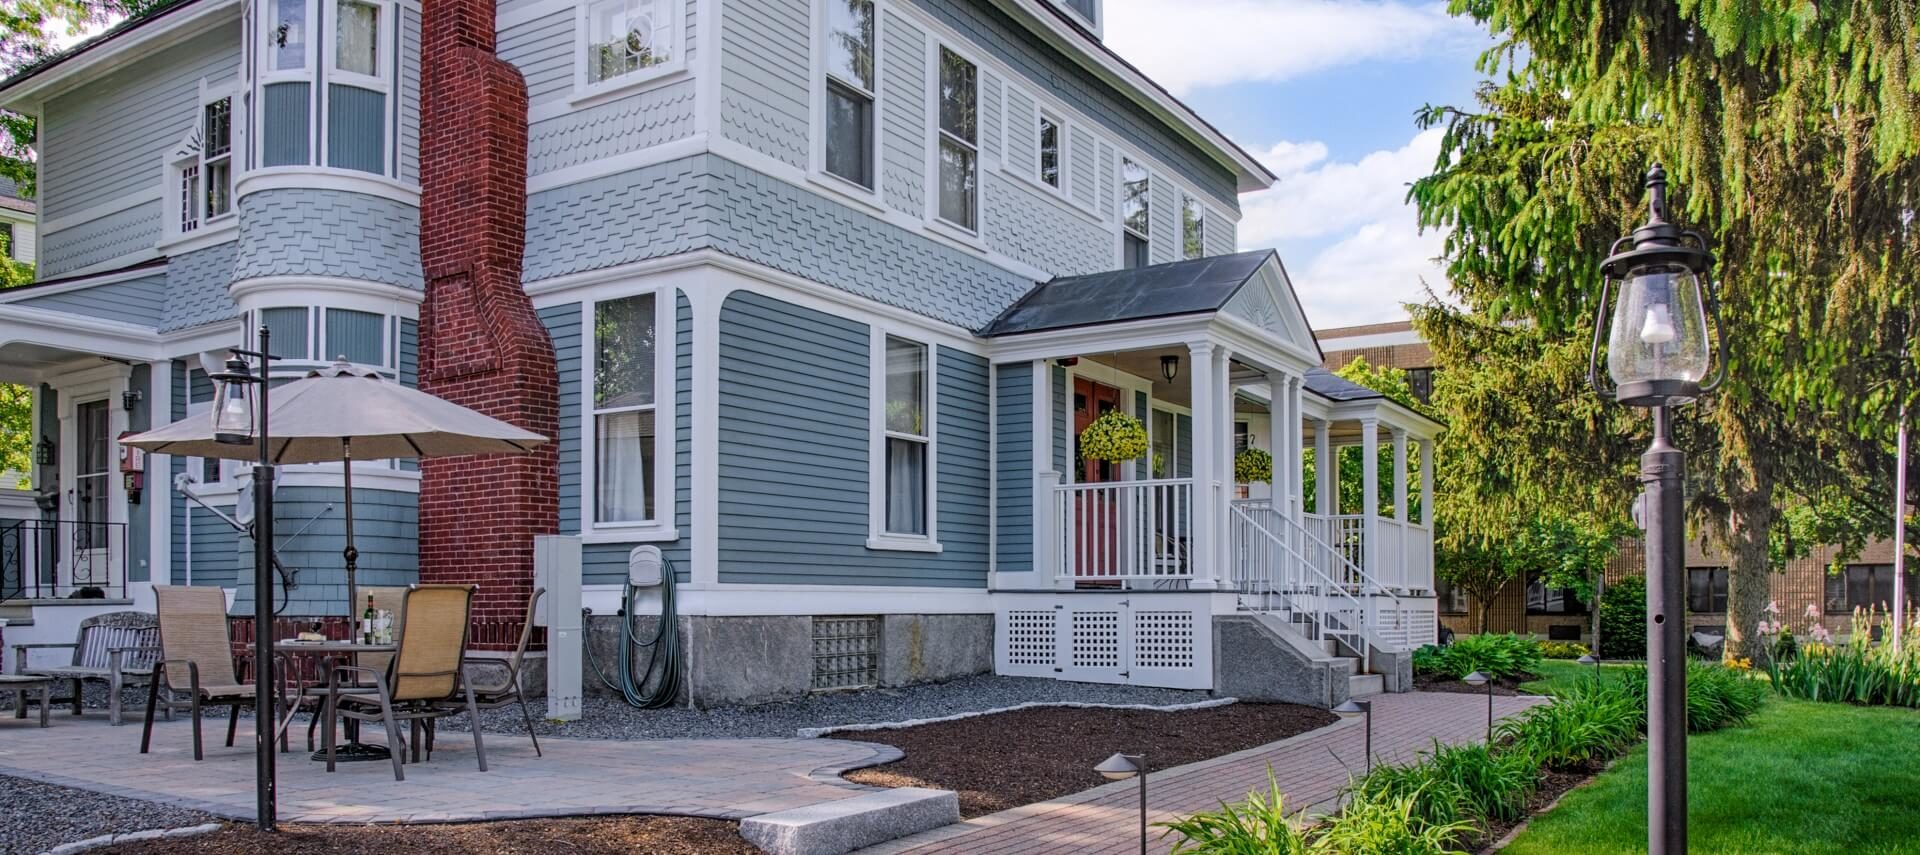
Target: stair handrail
column 1346, row 567
column 1327, row 582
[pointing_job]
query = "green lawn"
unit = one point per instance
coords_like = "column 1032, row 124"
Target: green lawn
column 1803, row 777
column 1556, row 672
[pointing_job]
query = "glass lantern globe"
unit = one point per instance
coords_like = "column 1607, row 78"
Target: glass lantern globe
column 1657, row 347
column 233, row 411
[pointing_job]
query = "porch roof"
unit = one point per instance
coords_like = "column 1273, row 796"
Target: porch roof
column 1333, row 387
column 1198, row 287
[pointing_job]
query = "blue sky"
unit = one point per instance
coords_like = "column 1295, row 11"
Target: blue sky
column 1323, row 92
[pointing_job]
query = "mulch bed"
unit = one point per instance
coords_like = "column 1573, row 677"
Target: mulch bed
column 1440, row 683
column 653, row 835
column 1006, row 760
column 1554, row 783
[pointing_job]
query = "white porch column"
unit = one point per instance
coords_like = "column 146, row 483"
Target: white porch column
column 1223, row 465
column 1370, row 496
column 1426, row 482
column 1296, row 429
column 1201, row 545
column 1325, row 469
column 1280, row 439
column 1399, row 579
column 1045, row 478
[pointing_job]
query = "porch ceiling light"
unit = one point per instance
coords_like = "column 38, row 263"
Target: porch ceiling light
column 1657, row 349
column 1170, row 367
column 233, row 417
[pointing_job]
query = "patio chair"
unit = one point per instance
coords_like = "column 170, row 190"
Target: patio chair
column 196, row 652
column 426, row 673
column 494, row 689
column 117, row 648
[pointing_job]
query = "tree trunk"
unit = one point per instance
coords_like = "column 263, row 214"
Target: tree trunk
column 1749, row 525
column 1486, row 613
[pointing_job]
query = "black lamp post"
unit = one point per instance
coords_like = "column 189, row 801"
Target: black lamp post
column 234, row 422
column 1658, row 356
column 1351, row 708
column 1120, row 767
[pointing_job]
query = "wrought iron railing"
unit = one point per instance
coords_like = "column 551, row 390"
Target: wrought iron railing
column 51, row 559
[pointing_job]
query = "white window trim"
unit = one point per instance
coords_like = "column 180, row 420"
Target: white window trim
column 386, row 62
column 1097, row 25
column 878, row 538
column 1120, row 231
column 1174, row 412
column 1044, row 114
column 934, row 133
column 192, row 151
column 661, row 526
column 817, row 84
column 303, row 74
column 1189, row 200
column 653, row 75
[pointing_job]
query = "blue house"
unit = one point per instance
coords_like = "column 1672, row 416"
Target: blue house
column 826, row 291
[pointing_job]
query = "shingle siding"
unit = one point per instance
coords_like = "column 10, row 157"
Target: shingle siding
column 903, row 120
column 313, row 232
column 131, row 230
column 197, row 287
column 765, row 60
column 794, row 448
column 649, row 118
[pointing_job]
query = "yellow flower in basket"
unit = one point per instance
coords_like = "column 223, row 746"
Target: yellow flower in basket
column 1114, row 437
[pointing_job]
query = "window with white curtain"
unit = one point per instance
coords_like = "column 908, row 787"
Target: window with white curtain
column 1193, row 228
column 357, row 39
column 850, row 90
column 907, row 434
column 959, row 153
column 624, row 409
column 1136, row 214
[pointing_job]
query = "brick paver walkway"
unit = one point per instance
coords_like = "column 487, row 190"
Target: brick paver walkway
column 1310, row 768
column 718, row 778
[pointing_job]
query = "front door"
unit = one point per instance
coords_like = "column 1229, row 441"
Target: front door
column 91, row 492
column 1096, row 512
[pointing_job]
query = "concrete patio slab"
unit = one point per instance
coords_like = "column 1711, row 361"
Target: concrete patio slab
column 833, row 828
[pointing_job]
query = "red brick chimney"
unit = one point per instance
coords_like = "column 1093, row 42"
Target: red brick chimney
column 481, row 345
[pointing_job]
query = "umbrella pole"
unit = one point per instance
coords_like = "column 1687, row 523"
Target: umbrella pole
column 351, row 554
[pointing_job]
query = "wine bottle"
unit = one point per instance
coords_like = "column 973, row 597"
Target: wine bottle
column 366, row 620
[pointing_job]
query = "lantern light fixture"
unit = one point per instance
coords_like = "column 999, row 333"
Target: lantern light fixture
column 1656, row 288
column 1170, row 366
column 233, row 411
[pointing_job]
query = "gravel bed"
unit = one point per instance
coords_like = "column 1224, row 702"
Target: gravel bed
column 35, row 817
column 609, row 718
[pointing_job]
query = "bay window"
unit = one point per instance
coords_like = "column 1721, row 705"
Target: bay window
column 903, row 478
column 850, row 90
column 287, row 36
column 627, row 41
column 1193, row 228
column 1136, row 214
column 625, row 410
column 358, row 85
column 959, row 153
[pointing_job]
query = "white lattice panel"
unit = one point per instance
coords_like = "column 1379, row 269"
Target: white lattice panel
column 1032, row 638
column 1096, row 640
column 1163, row 639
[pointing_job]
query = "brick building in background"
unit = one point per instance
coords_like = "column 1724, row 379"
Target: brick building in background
column 1527, row 606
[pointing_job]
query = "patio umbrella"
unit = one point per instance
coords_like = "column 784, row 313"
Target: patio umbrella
column 339, row 412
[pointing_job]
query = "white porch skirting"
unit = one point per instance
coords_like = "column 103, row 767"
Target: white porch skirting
column 1133, row 638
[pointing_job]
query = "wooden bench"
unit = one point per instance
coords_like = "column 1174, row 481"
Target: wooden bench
column 117, row 648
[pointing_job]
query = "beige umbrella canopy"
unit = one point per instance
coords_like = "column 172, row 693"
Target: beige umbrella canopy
column 340, row 414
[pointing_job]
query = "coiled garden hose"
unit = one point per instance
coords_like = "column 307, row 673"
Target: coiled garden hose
column 663, row 666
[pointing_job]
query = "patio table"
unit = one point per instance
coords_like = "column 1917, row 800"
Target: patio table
column 331, row 651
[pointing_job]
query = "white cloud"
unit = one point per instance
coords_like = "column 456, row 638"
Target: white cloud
column 1363, row 253
column 1187, row 44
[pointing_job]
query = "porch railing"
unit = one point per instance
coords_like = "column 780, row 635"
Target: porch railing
column 1272, row 557
column 1124, row 530
column 48, row 559
column 1346, row 533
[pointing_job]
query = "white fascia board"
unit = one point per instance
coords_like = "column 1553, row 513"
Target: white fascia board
column 141, row 42
column 1389, row 414
column 78, row 333
column 1100, row 338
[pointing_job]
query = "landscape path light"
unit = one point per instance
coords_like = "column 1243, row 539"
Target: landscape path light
column 1120, row 767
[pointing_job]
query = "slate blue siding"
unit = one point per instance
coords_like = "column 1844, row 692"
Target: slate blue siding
column 104, row 141
column 100, row 240
column 356, row 128
column 542, row 48
column 1042, row 66
column 297, row 232
column 386, row 529
column 135, row 301
column 288, row 329
column 359, row 336
column 1038, row 228
column 655, row 116
column 286, row 124
column 1221, row 239
column 1183, row 444
column 1062, row 454
column 903, row 120
column 1013, row 467
column 1165, row 229
column 794, row 446
column 139, row 521
column 215, row 547
column 197, row 287
column 606, row 563
column 177, row 514
column 409, row 137
column 764, row 62
column 409, row 352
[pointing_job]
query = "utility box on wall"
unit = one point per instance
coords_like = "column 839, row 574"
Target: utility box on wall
column 556, row 567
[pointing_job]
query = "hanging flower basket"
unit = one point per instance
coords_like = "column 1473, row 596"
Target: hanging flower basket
column 1253, row 464
column 1114, row 437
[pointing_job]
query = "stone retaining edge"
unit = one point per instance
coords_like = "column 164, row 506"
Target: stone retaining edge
column 817, row 732
column 105, row 840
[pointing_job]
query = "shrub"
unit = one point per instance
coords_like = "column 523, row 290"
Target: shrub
column 1258, row 826
column 1717, row 696
column 1456, row 783
column 1588, row 721
column 1563, row 649
column 1623, row 619
column 1495, row 654
column 1387, row 826
column 1430, row 659
column 1859, row 671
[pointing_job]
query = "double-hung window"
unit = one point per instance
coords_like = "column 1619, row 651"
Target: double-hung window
column 1050, row 139
column 1707, row 590
column 625, row 411
column 959, row 153
column 850, row 90
column 1136, row 214
column 358, row 85
column 628, row 40
column 904, row 440
column 203, row 167
column 1193, row 228
column 1166, row 445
